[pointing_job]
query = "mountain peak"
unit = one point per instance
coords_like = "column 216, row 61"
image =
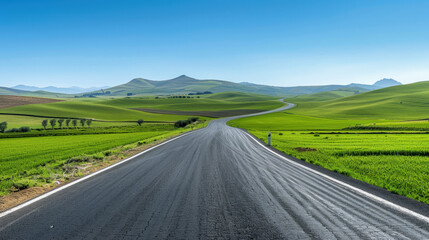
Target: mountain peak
column 386, row 82
column 183, row 77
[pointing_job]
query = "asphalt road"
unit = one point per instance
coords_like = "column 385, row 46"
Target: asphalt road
column 218, row 183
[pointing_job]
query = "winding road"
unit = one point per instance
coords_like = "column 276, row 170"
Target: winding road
column 217, row 183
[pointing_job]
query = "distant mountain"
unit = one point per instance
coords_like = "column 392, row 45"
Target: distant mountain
column 184, row 85
column 17, row 92
column 67, row 90
column 386, row 82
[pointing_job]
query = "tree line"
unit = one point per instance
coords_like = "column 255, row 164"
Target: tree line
column 74, row 122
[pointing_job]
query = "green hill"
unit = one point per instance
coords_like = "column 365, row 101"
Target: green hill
column 404, row 102
column 185, row 85
column 16, row 92
column 325, row 96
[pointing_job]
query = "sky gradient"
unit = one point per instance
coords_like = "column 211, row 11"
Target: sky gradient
column 285, row 43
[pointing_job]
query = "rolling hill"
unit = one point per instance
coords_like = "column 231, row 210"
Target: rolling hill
column 184, row 85
column 65, row 90
column 404, row 102
column 17, row 92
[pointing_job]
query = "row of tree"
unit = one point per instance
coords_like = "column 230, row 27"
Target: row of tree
column 74, row 122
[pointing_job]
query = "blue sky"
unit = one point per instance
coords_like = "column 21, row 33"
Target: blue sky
column 286, row 43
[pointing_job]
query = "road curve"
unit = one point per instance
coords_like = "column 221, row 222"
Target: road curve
column 216, row 182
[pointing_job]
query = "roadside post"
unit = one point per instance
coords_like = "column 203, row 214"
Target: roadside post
column 269, row 139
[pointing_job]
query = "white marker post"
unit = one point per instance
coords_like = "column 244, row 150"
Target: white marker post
column 269, row 139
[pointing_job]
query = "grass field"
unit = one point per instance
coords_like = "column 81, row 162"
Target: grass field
column 380, row 137
column 405, row 102
column 123, row 109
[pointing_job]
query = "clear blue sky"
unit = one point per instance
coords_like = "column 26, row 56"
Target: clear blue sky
column 285, row 43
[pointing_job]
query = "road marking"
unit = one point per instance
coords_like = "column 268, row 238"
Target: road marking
column 7, row 212
column 355, row 189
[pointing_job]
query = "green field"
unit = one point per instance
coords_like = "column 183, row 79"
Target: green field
column 379, row 137
column 405, row 102
column 121, row 110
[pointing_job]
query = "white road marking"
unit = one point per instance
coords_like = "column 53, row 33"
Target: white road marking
column 7, row 212
column 355, row 189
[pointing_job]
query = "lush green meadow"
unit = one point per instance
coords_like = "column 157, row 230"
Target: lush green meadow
column 122, row 111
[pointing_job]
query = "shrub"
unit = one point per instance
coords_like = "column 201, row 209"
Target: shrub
column 21, row 129
column 12, row 130
column 193, row 119
column 21, row 185
column 24, row 129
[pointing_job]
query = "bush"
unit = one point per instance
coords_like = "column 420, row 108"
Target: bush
column 24, row 129
column 12, row 130
column 21, row 129
column 193, row 119
column 21, row 185
column 180, row 123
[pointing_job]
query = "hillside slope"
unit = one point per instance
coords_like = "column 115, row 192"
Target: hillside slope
column 17, row 92
column 404, row 102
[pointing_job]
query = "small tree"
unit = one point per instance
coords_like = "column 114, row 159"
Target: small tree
column 88, row 122
column 53, row 122
column 60, row 122
column 3, row 126
column 74, row 122
column 82, row 122
column 68, row 122
column 140, row 121
column 45, row 123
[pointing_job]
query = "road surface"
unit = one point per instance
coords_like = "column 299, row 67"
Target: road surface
column 218, row 183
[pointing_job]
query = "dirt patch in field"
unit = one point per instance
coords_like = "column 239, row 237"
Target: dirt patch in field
column 213, row 114
column 15, row 198
column 300, row 149
column 7, row 101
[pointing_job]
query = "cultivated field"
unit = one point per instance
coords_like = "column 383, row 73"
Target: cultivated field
column 7, row 101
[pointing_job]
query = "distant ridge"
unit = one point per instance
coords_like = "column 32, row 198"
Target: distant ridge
column 66, row 90
column 184, row 84
column 386, row 82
